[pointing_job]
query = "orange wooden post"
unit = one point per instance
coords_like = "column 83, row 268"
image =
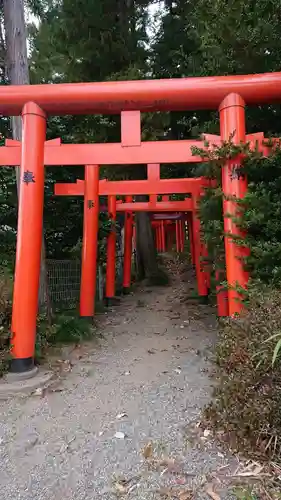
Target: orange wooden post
column 222, row 298
column 90, row 241
column 181, row 235
column 162, row 232
column 111, row 252
column 172, row 235
column 29, row 239
column 128, row 236
column 205, row 263
column 167, row 232
column 198, row 252
column 169, row 237
column 158, row 238
column 234, row 184
column 177, row 236
column 155, row 237
column 191, row 239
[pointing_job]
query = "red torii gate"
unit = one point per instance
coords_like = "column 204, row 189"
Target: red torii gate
column 57, row 154
column 164, row 220
column 228, row 94
column 111, row 189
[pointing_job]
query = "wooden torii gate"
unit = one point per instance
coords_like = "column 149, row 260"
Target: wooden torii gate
column 227, row 94
column 152, row 186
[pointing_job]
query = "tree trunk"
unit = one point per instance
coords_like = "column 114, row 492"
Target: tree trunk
column 18, row 74
column 147, row 262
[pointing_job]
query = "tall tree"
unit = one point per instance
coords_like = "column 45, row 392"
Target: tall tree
column 220, row 37
column 18, row 74
column 92, row 40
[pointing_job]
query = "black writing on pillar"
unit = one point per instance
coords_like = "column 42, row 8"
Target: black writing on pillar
column 129, row 215
column 90, row 204
column 131, row 104
column 237, row 174
column 28, row 177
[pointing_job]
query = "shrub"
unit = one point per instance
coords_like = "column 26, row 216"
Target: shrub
column 66, row 329
column 5, row 319
column 247, row 404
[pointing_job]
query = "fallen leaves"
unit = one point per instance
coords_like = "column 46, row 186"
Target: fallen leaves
column 66, row 446
column 209, row 490
column 170, row 465
column 121, row 487
column 65, row 365
column 176, row 494
column 165, row 492
column 124, row 486
column 40, row 391
column 185, row 495
column 250, row 469
column 147, row 450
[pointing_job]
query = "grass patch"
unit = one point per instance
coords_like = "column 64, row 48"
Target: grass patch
column 247, row 404
column 5, row 321
column 67, row 328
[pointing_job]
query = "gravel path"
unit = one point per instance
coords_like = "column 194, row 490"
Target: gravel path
column 146, row 379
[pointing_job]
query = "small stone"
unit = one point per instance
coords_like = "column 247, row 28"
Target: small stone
column 121, row 415
column 39, row 392
column 119, row 435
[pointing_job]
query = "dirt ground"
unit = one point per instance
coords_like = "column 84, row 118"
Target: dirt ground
column 123, row 417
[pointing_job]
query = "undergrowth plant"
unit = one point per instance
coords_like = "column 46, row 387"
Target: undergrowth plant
column 247, row 405
column 66, row 328
column 5, row 318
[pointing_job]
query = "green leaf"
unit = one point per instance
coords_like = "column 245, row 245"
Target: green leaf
column 276, row 351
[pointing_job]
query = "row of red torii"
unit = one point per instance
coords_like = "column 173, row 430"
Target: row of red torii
column 228, row 94
column 153, row 184
column 92, row 187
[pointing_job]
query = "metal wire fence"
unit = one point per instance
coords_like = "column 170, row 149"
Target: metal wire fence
column 64, row 281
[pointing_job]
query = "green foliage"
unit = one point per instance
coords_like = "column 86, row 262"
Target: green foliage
column 84, row 41
column 262, row 217
column 248, row 397
column 5, row 318
column 66, row 328
column 245, row 493
column 258, row 213
column 218, row 37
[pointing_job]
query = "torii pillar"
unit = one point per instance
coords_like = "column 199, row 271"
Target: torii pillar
column 29, row 239
column 234, row 185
